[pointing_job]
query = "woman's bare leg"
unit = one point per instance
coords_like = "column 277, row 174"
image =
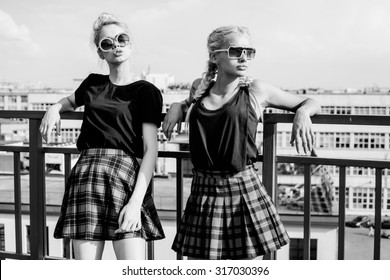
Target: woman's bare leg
column 88, row 249
column 130, row 249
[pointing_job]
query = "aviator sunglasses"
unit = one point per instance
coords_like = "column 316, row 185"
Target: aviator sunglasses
column 107, row 44
column 237, row 52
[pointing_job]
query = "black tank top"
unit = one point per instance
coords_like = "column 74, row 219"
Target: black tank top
column 224, row 139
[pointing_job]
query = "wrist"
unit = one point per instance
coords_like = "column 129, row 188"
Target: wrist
column 303, row 110
column 135, row 202
column 56, row 107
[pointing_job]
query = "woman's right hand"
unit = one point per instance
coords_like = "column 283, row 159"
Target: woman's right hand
column 52, row 118
column 174, row 116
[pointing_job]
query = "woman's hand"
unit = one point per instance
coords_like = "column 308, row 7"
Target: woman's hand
column 52, row 118
column 174, row 116
column 302, row 133
column 129, row 218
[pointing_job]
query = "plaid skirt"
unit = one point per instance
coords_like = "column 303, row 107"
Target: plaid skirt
column 229, row 216
column 99, row 186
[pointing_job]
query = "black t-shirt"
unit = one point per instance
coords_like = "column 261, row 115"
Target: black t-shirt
column 113, row 114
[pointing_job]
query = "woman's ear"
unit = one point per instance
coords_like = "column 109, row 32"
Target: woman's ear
column 213, row 58
column 100, row 54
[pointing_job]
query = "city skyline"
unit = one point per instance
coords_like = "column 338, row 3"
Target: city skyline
column 301, row 44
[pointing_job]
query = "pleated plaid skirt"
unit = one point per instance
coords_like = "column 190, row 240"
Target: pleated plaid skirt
column 229, row 216
column 99, row 186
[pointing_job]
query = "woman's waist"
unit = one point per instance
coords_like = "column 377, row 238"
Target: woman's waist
column 249, row 169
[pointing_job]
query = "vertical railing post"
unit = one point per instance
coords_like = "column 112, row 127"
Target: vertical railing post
column 179, row 195
column 306, row 213
column 378, row 213
column 342, row 187
column 269, row 166
column 37, row 192
column 66, row 242
column 269, row 159
column 150, row 244
column 18, row 203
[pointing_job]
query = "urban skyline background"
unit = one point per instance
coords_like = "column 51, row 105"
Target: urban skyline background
column 329, row 44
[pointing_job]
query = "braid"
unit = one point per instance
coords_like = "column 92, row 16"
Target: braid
column 207, row 78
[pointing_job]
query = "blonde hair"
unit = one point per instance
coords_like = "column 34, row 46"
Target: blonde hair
column 103, row 20
column 215, row 41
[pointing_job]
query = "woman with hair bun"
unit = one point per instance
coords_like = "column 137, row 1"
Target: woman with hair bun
column 107, row 195
column 229, row 214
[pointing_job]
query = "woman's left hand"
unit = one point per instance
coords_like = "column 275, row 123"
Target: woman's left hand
column 302, row 133
column 129, row 218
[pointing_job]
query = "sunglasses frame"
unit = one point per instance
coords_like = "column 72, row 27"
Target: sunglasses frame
column 243, row 49
column 114, row 41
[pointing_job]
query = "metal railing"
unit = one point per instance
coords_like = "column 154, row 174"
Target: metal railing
column 270, row 159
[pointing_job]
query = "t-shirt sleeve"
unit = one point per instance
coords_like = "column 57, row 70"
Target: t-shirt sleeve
column 80, row 91
column 151, row 105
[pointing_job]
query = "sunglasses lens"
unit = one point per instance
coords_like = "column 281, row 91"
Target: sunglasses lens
column 123, row 39
column 250, row 53
column 235, row 52
column 106, row 44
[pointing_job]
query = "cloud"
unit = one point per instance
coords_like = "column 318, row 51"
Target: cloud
column 16, row 37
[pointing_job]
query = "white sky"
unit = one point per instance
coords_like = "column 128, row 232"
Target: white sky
column 300, row 43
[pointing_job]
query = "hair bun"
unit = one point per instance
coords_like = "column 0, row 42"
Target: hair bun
column 102, row 19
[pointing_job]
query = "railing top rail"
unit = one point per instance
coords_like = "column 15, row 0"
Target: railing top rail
column 334, row 161
column 19, row 114
column 332, row 119
column 268, row 117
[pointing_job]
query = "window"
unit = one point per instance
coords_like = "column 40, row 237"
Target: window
column 362, row 110
column 46, row 240
column 369, row 140
column 24, row 98
column 388, row 201
column 327, row 109
column 2, row 238
column 378, row 111
column 326, row 140
column 342, row 140
column 362, row 198
column 361, row 140
column 377, row 141
column 296, row 249
column 279, row 139
column 343, row 110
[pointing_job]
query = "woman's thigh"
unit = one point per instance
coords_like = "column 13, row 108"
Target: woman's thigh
column 130, row 249
column 88, row 249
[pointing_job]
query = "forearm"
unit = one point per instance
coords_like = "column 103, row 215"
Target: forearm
column 144, row 176
column 64, row 105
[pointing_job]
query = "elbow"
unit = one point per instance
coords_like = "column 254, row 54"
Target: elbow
column 151, row 152
column 313, row 106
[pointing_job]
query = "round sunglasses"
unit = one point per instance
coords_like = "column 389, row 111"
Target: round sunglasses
column 237, row 52
column 108, row 44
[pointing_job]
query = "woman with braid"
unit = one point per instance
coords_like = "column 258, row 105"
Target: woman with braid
column 228, row 214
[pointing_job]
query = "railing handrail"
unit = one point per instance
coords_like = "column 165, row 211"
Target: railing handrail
column 268, row 117
column 332, row 119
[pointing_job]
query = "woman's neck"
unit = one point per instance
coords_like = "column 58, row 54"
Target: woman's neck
column 120, row 74
column 224, row 85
